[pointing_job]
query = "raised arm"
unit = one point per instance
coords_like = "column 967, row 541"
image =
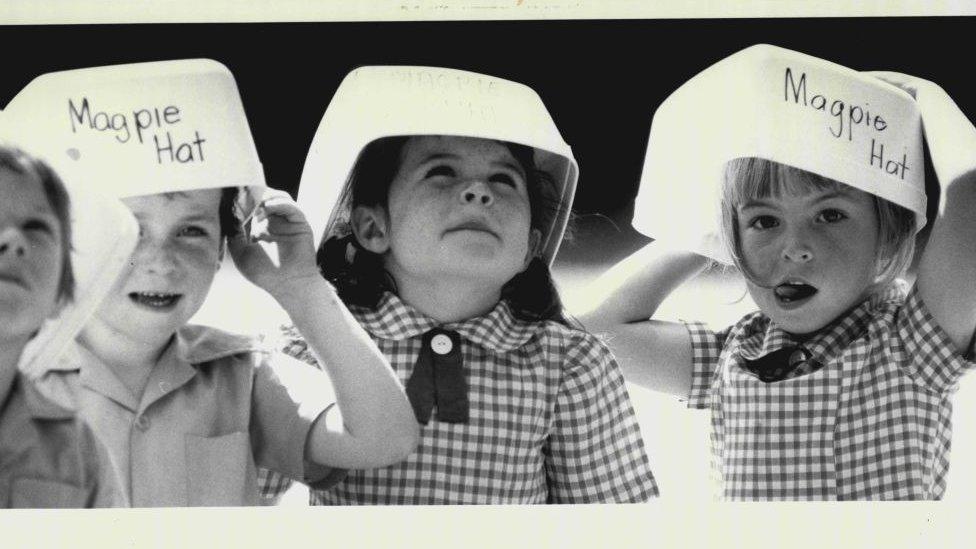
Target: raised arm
column 652, row 354
column 947, row 267
column 378, row 426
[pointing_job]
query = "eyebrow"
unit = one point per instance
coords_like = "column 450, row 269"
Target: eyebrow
column 759, row 202
column 756, row 203
column 41, row 209
column 197, row 217
column 514, row 167
column 440, row 156
column 833, row 194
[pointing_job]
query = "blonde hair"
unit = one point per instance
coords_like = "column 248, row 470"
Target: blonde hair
column 755, row 178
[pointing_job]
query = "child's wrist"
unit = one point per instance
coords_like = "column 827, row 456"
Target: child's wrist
column 300, row 288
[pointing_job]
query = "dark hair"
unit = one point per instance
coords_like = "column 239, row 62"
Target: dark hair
column 229, row 224
column 21, row 163
column 359, row 275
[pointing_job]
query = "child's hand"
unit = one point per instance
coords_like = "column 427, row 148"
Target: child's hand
column 279, row 253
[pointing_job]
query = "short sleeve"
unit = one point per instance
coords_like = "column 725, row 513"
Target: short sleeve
column 271, row 484
column 930, row 354
column 706, row 346
column 287, row 397
column 595, row 453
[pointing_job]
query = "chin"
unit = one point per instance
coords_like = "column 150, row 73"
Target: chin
column 801, row 323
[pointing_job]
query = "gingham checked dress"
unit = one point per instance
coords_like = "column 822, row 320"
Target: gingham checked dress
column 874, row 422
column 550, row 419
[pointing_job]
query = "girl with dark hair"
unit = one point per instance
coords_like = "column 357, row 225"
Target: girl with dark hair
column 439, row 240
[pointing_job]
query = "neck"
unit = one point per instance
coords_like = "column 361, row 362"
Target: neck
column 447, row 299
column 131, row 359
column 10, row 351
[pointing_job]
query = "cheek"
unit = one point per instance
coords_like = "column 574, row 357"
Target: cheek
column 415, row 210
column 199, row 260
column 757, row 294
column 47, row 264
column 515, row 210
column 757, row 253
column 853, row 245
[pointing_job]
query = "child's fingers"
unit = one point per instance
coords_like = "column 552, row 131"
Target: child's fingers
column 281, row 206
column 284, row 225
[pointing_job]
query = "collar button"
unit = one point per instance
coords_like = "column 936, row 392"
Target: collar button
column 441, row 344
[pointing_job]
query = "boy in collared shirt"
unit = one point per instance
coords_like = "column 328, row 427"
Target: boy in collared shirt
column 48, row 456
column 188, row 412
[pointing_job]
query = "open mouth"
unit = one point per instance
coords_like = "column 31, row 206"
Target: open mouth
column 793, row 292
column 159, row 301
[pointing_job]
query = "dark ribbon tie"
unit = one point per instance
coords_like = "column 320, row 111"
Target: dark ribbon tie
column 438, row 379
column 778, row 365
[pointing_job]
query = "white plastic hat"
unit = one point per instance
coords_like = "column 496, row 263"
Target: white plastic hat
column 779, row 105
column 143, row 128
column 376, row 102
column 104, row 234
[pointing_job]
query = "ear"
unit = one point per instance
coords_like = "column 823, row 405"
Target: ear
column 371, row 227
column 535, row 242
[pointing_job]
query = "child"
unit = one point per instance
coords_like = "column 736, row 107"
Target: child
column 48, row 457
column 440, row 245
column 188, row 412
column 839, row 386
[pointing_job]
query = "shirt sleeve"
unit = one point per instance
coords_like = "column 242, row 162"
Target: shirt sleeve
column 928, row 351
column 272, row 485
column 287, row 398
column 595, row 453
column 706, row 346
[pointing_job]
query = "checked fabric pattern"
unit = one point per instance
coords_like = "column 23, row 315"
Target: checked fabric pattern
column 873, row 423
column 550, row 419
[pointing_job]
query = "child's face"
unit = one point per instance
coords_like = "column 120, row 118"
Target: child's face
column 30, row 255
column 172, row 267
column 458, row 206
column 816, row 252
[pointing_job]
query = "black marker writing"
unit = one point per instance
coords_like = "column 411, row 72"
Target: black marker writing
column 100, row 121
column 889, row 166
column 179, row 152
column 845, row 115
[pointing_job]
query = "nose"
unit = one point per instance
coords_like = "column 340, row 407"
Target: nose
column 797, row 248
column 12, row 243
column 477, row 192
column 154, row 257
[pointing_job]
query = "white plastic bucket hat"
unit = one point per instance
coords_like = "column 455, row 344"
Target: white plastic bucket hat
column 104, row 234
column 780, row 105
column 143, row 128
column 383, row 101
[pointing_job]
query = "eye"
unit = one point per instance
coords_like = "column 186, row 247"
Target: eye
column 504, row 179
column 38, row 225
column 763, row 222
column 194, row 231
column 440, row 170
column 831, row 216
